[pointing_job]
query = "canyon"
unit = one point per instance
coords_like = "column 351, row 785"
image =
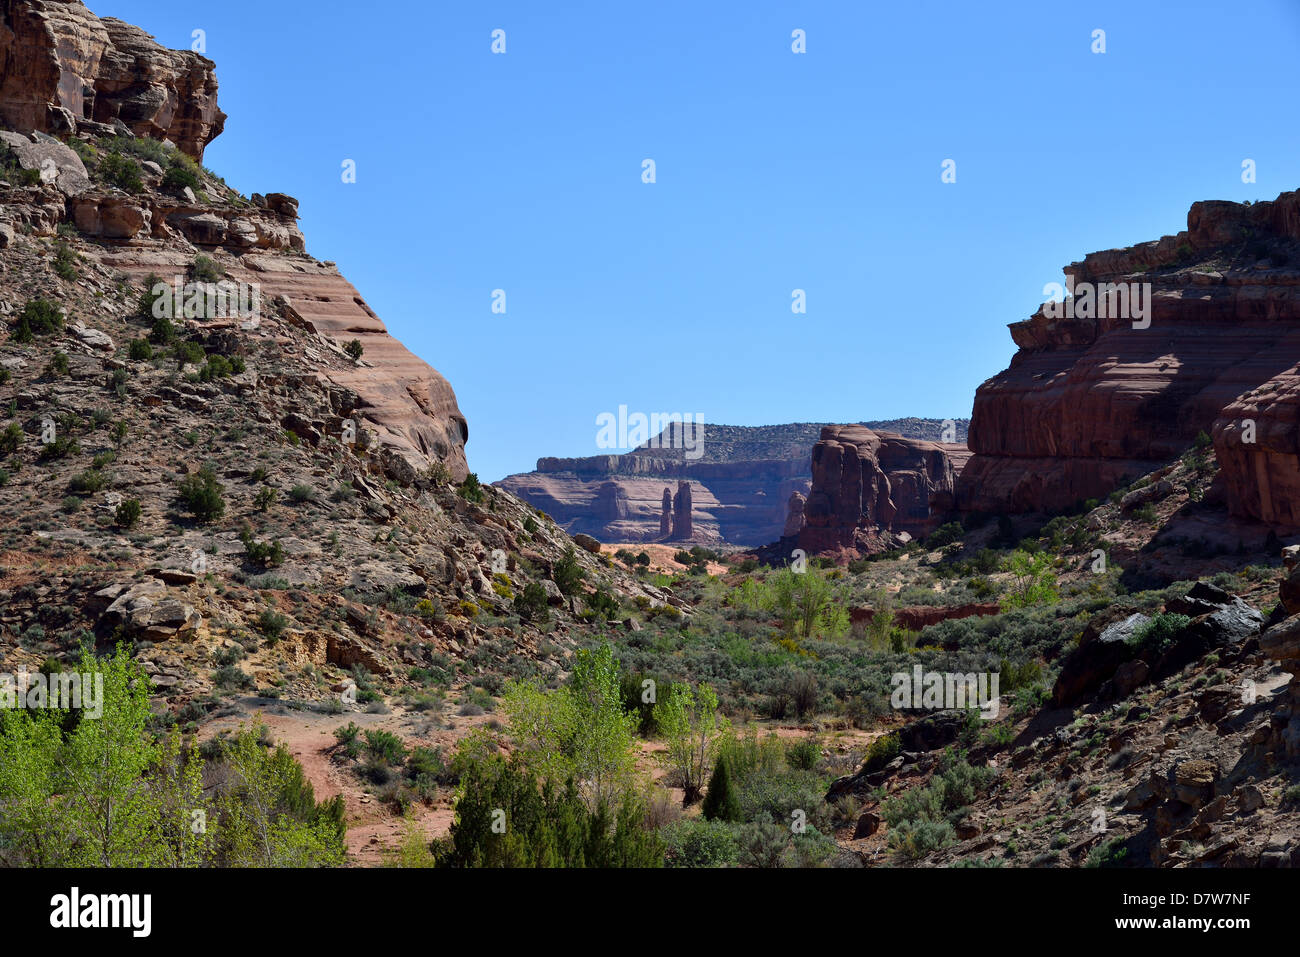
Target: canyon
column 745, row 488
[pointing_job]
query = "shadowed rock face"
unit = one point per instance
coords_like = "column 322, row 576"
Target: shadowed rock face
column 64, row 70
column 1089, row 403
column 868, row 485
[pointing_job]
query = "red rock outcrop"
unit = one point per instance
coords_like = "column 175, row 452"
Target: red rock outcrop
column 1091, row 402
column 666, row 519
column 682, row 527
column 64, row 70
column 794, row 518
column 868, row 486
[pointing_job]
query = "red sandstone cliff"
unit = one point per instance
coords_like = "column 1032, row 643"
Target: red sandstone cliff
column 868, row 486
column 1090, row 402
column 64, row 70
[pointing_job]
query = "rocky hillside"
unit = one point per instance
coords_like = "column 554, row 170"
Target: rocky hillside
column 743, row 483
column 1095, row 397
column 210, row 447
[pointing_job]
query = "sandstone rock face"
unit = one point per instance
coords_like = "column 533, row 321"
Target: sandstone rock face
column 868, row 485
column 64, row 70
column 741, row 487
column 682, row 525
column 394, row 394
column 1090, row 402
column 794, row 517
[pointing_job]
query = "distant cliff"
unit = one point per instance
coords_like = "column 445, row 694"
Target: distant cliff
column 740, row 485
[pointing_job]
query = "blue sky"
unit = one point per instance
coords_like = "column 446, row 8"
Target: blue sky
column 775, row 171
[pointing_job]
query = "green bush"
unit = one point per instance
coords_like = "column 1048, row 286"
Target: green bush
column 272, row 624
column 1158, row 634
column 207, row 269
column 699, row 842
column 720, row 800
column 179, row 176
column 65, row 261
column 88, row 482
column 530, row 604
column 471, row 489
column 39, row 317
column 140, row 350
column 544, row 825
column 354, row 349
column 117, row 170
column 567, row 573
column 128, row 513
column 201, row 493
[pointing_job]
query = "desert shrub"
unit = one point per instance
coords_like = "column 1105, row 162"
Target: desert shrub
column 530, row 604
column 567, row 572
column 548, row 825
column 272, row 624
column 354, row 349
column 128, row 513
column 699, row 842
column 201, row 493
column 11, row 438
column 88, row 482
column 207, row 269
column 39, row 317
column 471, row 489
column 140, row 350
column 120, row 171
column 385, row 746
column 65, row 261
column 266, row 554
column 302, row 493
column 1158, row 634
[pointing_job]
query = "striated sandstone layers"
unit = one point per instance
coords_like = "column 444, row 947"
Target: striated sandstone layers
column 64, row 70
column 869, row 486
column 407, row 405
column 742, row 488
column 1090, row 403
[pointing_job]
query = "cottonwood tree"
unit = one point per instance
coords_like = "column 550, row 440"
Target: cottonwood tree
column 693, row 730
column 579, row 731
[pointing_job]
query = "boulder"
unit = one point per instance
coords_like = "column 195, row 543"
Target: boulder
column 1095, row 661
column 59, row 165
column 587, row 543
column 145, row 611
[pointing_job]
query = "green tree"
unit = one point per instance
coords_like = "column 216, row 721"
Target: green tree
column 580, row 731
column 1032, row 581
column 506, row 818
column 720, row 800
column 693, row 729
column 806, row 602
column 268, row 813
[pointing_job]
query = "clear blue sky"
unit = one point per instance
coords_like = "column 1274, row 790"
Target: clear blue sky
column 775, row 171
